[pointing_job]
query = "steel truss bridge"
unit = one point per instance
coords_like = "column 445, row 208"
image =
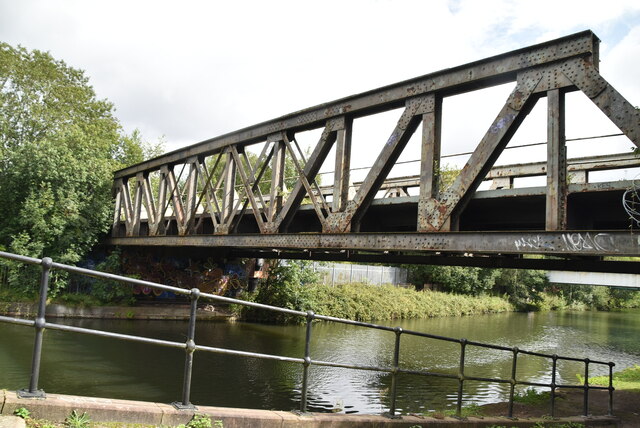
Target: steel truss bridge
column 231, row 192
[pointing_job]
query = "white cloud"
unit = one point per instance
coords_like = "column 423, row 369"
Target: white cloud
column 196, row 69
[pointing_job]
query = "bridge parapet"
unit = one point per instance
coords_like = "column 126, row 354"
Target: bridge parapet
column 236, row 183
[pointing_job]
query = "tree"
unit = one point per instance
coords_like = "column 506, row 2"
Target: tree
column 59, row 146
column 286, row 286
column 455, row 279
column 524, row 287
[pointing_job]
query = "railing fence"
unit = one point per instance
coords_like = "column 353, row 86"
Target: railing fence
column 343, row 273
column 40, row 324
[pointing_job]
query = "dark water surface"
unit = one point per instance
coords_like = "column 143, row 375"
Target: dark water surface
column 93, row 366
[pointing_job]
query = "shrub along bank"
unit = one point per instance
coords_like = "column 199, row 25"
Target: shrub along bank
column 447, row 291
column 363, row 302
column 295, row 287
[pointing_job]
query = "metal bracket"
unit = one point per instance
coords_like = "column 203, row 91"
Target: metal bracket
column 179, row 406
column 25, row 393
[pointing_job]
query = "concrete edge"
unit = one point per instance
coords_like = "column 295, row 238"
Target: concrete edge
column 57, row 407
column 57, row 310
column 12, row 422
column 3, row 397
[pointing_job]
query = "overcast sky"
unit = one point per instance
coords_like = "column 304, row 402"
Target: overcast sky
column 192, row 70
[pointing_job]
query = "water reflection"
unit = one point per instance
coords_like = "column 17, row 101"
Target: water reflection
column 94, row 366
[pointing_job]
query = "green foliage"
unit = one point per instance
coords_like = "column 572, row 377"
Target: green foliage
column 363, row 302
column 527, row 290
column 622, row 299
column 447, row 174
column 523, row 287
column 59, row 145
column 76, row 420
column 594, row 297
column 559, row 425
column 42, row 424
column 202, row 421
column 104, row 290
column 455, row 279
column 12, row 295
column 77, row 300
column 472, row 410
column 547, row 425
column 532, row 397
column 287, row 286
column 22, row 412
column 628, row 378
column 369, row 302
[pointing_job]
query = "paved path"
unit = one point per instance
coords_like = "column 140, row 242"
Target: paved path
column 57, row 407
column 11, row 422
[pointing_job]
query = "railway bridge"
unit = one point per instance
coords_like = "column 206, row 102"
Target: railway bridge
column 258, row 192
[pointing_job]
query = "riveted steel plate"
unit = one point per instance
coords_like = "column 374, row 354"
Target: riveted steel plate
column 573, row 243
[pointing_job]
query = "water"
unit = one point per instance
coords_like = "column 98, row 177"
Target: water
column 93, row 366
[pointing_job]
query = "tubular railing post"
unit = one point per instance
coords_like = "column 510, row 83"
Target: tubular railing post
column 586, row 387
column 307, row 362
column 394, row 373
column 611, row 389
column 553, row 386
column 513, row 380
column 190, row 348
column 33, row 391
column 463, row 346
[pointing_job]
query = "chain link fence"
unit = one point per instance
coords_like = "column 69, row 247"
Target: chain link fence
column 343, row 273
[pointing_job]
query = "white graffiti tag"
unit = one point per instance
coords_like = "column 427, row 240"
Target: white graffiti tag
column 587, row 242
column 570, row 242
column 533, row 243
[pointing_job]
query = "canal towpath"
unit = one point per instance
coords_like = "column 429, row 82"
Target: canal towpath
column 56, row 408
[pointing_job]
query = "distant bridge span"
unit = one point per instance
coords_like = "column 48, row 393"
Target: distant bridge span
column 218, row 194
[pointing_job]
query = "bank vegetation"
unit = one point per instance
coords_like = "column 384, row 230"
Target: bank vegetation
column 435, row 291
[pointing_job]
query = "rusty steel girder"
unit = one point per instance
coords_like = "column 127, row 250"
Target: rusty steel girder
column 584, row 243
column 215, row 185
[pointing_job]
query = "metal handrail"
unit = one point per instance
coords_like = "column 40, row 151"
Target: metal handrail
column 306, row 361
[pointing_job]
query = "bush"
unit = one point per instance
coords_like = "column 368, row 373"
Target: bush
column 523, row 288
column 455, row 279
column 287, row 286
column 362, row 302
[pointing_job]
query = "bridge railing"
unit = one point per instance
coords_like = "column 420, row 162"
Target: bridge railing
column 305, row 360
column 504, row 176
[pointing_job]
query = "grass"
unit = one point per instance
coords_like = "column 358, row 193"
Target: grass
column 77, row 420
column 364, row 302
column 547, row 425
column 472, row 410
column 627, row 379
column 532, row 397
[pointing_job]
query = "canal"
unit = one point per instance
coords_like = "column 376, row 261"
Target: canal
column 92, row 366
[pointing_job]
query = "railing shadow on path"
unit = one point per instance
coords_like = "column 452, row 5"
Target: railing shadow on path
column 194, row 294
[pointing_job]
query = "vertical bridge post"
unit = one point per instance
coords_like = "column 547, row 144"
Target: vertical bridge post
column 556, row 207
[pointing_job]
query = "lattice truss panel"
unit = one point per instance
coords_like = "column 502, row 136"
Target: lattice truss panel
column 223, row 181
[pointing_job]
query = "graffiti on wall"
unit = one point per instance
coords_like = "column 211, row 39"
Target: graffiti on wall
column 209, row 276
